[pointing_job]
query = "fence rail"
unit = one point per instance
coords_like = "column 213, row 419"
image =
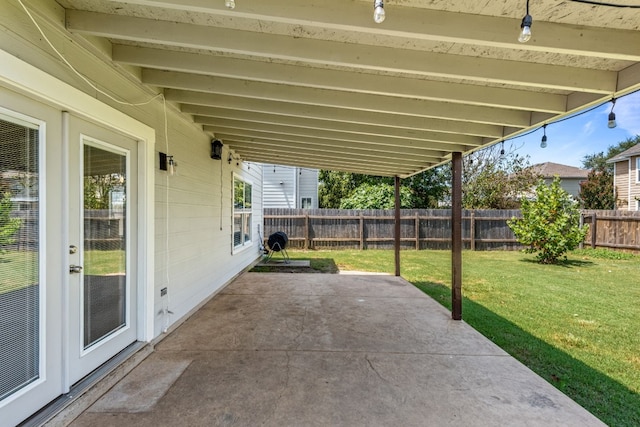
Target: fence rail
column 431, row 228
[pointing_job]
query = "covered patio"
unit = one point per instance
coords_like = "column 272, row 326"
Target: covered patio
column 279, row 349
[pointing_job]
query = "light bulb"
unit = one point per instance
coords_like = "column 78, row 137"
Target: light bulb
column 612, row 120
column 378, row 12
column 231, row 4
column 543, row 143
column 525, row 34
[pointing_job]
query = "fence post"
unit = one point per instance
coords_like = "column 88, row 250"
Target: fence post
column 307, row 243
column 361, row 231
column 594, row 230
column 417, row 231
column 472, row 230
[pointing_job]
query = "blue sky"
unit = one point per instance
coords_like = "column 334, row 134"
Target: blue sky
column 569, row 141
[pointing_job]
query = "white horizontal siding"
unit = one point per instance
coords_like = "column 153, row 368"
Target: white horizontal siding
column 279, row 186
column 308, row 186
column 193, row 209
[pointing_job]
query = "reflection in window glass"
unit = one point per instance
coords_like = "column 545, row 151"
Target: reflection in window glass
column 242, row 194
column 19, row 255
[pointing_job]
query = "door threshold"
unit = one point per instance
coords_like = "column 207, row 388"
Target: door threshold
column 66, row 408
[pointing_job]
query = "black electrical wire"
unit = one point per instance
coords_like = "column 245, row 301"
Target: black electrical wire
column 571, row 116
column 600, row 3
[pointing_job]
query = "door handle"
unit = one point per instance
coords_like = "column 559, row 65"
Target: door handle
column 75, row 268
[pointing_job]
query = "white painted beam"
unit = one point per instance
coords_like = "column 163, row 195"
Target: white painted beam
column 215, row 65
column 430, row 147
column 332, row 53
column 428, row 137
column 243, row 106
column 349, row 18
column 334, row 146
column 360, row 102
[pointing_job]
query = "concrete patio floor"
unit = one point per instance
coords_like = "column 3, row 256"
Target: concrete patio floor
column 278, row 349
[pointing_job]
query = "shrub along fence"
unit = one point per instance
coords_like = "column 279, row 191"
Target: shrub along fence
column 428, row 228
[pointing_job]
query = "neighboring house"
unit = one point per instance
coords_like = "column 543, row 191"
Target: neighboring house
column 626, row 178
column 289, row 187
column 570, row 176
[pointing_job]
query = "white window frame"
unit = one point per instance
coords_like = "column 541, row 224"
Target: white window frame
column 302, row 199
column 243, row 211
column 637, row 170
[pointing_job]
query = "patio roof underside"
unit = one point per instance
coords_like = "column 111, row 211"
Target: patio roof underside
column 318, row 84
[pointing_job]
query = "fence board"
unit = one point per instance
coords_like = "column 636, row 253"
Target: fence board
column 430, row 228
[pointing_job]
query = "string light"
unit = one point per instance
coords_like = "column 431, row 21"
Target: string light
column 378, row 11
column 525, row 33
column 612, row 116
column 502, row 149
column 543, row 142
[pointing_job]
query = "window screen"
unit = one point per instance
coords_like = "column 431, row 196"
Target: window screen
column 19, row 249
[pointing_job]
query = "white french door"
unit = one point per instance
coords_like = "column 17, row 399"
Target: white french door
column 76, row 262
column 103, row 218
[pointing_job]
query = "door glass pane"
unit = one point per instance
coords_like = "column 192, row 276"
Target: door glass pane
column 105, row 267
column 19, row 260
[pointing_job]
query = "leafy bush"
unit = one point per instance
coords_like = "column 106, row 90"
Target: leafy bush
column 550, row 224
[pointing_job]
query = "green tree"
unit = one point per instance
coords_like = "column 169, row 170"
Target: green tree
column 426, row 189
column 98, row 188
column 8, row 226
column 376, row 196
column 597, row 191
column 550, row 224
column 493, row 179
column 598, row 161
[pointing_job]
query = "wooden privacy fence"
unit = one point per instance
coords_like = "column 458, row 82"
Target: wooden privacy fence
column 431, row 228
column 374, row 229
column 613, row 229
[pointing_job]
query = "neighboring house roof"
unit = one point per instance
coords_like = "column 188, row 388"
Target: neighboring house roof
column 631, row 152
column 550, row 170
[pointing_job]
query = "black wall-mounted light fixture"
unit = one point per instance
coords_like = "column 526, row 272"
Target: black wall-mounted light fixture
column 216, row 149
column 167, row 163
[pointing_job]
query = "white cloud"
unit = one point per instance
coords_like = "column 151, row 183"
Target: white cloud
column 588, row 128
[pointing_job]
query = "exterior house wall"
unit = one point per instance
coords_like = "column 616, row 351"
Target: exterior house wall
column 285, row 186
column 308, row 187
column 570, row 185
column 279, row 186
column 634, row 184
column 189, row 214
column 621, row 184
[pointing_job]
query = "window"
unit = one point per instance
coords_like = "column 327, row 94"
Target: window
column 20, row 304
column 241, row 213
column 305, row 203
column 638, row 169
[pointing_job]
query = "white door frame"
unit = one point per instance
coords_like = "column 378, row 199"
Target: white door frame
column 27, row 79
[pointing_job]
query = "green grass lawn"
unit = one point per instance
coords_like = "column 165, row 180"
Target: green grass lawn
column 576, row 324
column 20, row 268
column 17, row 270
